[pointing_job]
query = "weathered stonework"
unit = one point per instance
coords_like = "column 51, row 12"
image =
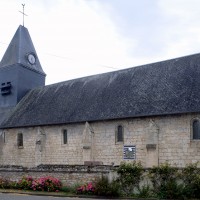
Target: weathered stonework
column 157, row 140
column 67, row 174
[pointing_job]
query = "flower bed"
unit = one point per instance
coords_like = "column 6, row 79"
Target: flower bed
column 48, row 183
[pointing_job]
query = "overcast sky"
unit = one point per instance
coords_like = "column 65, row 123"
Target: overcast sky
column 75, row 38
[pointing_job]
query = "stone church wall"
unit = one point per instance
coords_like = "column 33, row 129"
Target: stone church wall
column 156, row 140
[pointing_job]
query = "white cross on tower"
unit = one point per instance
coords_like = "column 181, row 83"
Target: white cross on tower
column 23, row 13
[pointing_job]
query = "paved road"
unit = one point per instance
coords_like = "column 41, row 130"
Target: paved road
column 31, row 197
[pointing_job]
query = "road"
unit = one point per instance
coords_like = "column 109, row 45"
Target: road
column 31, row 197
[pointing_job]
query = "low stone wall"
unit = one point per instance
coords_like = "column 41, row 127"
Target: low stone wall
column 67, row 174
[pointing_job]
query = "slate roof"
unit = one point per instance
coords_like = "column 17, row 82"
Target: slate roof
column 4, row 112
column 21, row 45
column 162, row 88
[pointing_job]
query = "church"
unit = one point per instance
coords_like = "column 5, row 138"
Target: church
column 148, row 113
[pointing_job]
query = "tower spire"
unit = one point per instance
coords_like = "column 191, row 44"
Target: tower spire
column 23, row 13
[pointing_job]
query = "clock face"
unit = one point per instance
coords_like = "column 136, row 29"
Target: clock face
column 31, row 58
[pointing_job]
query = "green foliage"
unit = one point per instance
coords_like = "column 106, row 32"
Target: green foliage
column 130, row 176
column 165, row 181
column 105, row 188
column 191, row 179
column 4, row 184
column 25, row 183
column 48, row 183
column 144, row 191
column 13, row 185
column 86, row 189
column 65, row 189
column 73, row 188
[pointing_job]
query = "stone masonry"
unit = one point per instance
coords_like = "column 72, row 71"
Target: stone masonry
column 67, row 174
column 156, row 139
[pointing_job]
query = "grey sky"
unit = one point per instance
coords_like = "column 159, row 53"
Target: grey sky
column 156, row 24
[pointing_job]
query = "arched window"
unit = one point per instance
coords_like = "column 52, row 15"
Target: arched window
column 119, row 134
column 20, row 140
column 64, row 136
column 196, row 129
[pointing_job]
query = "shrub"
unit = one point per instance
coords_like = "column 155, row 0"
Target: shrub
column 4, row 184
column 105, row 188
column 65, row 189
column 191, row 179
column 144, row 191
column 14, row 185
column 85, row 189
column 25, row 183
column 73, row 188
column 49, row 184
column 165, row 181
column 130, row 176
column 196, row 186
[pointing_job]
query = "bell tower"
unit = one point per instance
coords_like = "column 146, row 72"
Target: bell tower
column 20, row 71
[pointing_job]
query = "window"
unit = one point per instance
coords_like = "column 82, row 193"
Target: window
column 119, row 134
column 64, row 136
column 20, row 140
column 196, row 129
column 4, row 137
column 5, row 88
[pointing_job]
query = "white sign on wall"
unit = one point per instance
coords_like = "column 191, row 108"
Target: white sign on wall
column 129, row 152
